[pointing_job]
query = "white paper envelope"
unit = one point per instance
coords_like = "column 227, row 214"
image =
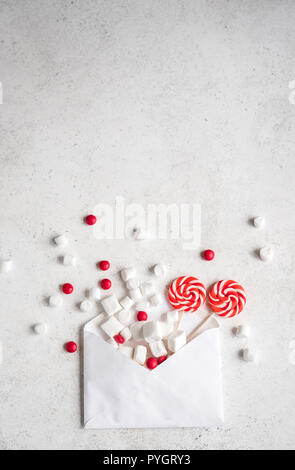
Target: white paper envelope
column 184, row 391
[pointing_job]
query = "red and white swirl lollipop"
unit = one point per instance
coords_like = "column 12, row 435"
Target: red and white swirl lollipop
column 187, row 293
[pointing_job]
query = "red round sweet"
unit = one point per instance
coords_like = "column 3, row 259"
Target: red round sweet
column 161, row 359
column 151, row 363
column 71, row 347
column 119, row 339
column 106, row 284
column 142, row 316
column 67, row 288
column 90, row 219
column 104, row 265
column 208, row 255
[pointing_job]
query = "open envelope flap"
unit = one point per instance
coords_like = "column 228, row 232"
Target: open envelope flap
column 183, row 391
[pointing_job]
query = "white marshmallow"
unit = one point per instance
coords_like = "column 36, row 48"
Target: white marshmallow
column 126, row 333
column 135, row 294
column 132, row 283
column 113, row 343
column 166, row 328
column 266, row 253
column 248, row 355
column 94, row 293
column 111, row 305
column 85, row 306
column 112, row 326
column 156, row 300
column 128, row 273
column 242, row 331
column 176, row 340
column 172, row 316
column 259, row 222
column 127, row 303
column 5, row 265
column 139, row 233
column 137, row 330
column 124, row 317
column 126, row 350
column 55, row 301
column 142, row 305
column 61, row 240
column 140, row 353
column 148, row 288
column 159, row 270
column 158, row 349
column 69, row 260
column 152, row 331
column 40, row 328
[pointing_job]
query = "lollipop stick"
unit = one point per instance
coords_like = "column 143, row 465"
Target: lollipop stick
column 195, row 331
column 180, row 317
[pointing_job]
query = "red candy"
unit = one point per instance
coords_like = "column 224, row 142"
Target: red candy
column 104, row 265
column 71, row 347
column 142, row 316
column 161, row 359
column 90, row 219
column 208, row 255
column 67, row 288
column 106, row 284
column 119, row 339
column 151, row 363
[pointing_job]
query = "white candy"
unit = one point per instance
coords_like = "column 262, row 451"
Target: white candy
column 112, row 326
column 248, row 355
column 126, row 333
column 132, row 283
column 135, row 294
column 127, row 303
column 40, row 329
column 159, row 270
column 148, row 288
column 152, row 331
column 266, row 253
column 140, row 353
column 172, row 316
column 85, row 306
column 158, row 349
column 113, row 343
column 166, row 328
column 111, row 305
column 242, row 331
column 176, row 340
column 5, row 265
column 126, row 350
column 137, row 330
column 61, row 240
column 124, row 317
column 139, row 233
column 259, row 222
column 156, row 300
column 128, row 273
column 55, row 301
column 94, row 293
column 69, row 260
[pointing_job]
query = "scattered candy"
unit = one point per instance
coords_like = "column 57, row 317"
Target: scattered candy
column 159, row 270
column 152, row 331
column 119, row 339
column 161, row 359
column 106, row 284
column 90, row 219
column 242, row 331
column 248, row 355
column 124, row 317
column 158, row 349
column 176, row 340
column 55, row 301
column 132, row 283
column 135, row 294
column 266, row 253
column 71, row 347
column 140, row 354
column 126, row 334
column 227, row 298
column 111, row 305
column 126, row 350
column 94, row 293
column 127, row 303
column 208, row 255
column 113, row 343
column 40, row 328
column 137, row 330
column 104, row 265
column 148, row 288
column 69, row 260
column 112, row 326
column 151, row 363
column 259, row 222
column 172, row 316
column 5, row 265
column 61, row 240
column 156, row 300
column 142, row 316
column 85, row 306
column 187, row 293
column 128, row 273
column 67, row 288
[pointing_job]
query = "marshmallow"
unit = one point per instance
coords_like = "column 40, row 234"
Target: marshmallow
column 61, row 240
column 112, row 326
column 132, row 283
column 152, row 331
column 140, row 353
column 111, row 305
column 148, row 288
column 248, row 355
column 142, row 305
column 40, row 329
column 85, row 306
column 266, row 253
column 126, row 333
column 259, row 222
column 127, row 303
column 55, row 301
column 124, row 317
column 242, row 331
column 126, row 350
column 158, row 349
column 176, row 340
column 156, row 300
column 139, row 233
column 113, row 343
column 135, row 294
column 94, row 293
column 128, row 273
column 166, row 328
column 159, row 270
column 69, row 260
column 5, row 265
column 172, row 316
column 137, row 330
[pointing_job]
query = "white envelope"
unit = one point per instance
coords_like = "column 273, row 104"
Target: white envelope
column 184, row 391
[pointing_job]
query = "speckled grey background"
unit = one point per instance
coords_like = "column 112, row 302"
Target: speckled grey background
column 155, row 101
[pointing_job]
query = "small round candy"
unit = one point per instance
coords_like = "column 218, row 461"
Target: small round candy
column 119, row 339
column 90, row 219
column 71, row 347
column 142, row 316
column 106, row 284
column 208, row 255
column 151, row 363
column 161, row 359
column 104, row 265
column 67, row 288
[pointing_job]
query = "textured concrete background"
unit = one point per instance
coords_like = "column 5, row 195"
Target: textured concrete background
column 156, row 101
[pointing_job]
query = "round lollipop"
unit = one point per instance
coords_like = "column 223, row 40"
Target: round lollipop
column 187, row 294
